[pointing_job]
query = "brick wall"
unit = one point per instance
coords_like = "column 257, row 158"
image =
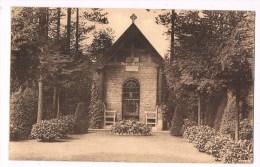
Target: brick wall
column 115, row 76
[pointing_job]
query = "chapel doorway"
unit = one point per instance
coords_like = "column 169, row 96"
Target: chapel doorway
column 131, row 99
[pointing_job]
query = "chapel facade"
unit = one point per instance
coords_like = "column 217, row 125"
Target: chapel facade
column 131, row 80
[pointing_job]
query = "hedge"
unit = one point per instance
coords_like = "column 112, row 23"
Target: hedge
column 23, row 113
column 221, row 146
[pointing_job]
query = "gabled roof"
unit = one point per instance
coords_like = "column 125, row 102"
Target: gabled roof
column 132, row 29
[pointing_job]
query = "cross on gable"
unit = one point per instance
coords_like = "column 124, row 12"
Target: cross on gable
column 133, row 17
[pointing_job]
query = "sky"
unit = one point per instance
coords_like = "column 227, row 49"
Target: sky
column 119, row 21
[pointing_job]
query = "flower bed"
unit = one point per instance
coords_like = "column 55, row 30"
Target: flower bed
column 130, row 127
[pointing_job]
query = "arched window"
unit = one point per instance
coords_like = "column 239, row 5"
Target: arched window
column 131, row 99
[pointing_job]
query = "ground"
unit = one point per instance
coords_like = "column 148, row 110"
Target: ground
column 99, row 146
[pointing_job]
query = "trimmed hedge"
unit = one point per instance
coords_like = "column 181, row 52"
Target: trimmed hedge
column 23, row 113
column 81, row 119
column 131, row 127
column 227, row 126
column 177, row 122
column 96, row 107
column 69, row 119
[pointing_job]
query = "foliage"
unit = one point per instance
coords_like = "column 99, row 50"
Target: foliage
column 222, row 147
column 69, row 119
column 240, row 151
column 199, row 136
column 177, row 122
column 130, row 127
column 186, row 124
column 81, row 122
column 246, row 129
column 228, row 118
column 96, row 106
column 19, row 133
column 214, row 51
column 50, row 130
column 101, row 42
column 38, row 42
column 23, row 113
column 219, row 114
column 216, row 144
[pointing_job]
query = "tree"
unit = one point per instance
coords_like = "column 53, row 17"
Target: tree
column 211, row 56
column 102, row 41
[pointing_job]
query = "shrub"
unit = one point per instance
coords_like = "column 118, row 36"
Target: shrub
column 220, row 111
column 23, row 113
column 216, row 144
column 130, row 127
column 186, row 124
column 69, row 119
column 177, row 122
column 96, row 106
column 199, row 136
column 240, row 151
column 246, row 129
column 228, row 118
column 50, row 130
column 19, row 132
column 81, row 119
column 97, row 114
column 222, row 147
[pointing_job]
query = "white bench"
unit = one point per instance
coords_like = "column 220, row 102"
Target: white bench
column 109, row 117
column 151, row 117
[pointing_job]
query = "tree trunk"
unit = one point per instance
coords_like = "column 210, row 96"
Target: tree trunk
column 54, row 101
column 58, row 104
column 237, row 115
column 47, row 22
column 68, row 30
column 58, row 25
column 199, row 109
column 77, row 30
column 172, row 36
column 43, row 23
column 40, row 101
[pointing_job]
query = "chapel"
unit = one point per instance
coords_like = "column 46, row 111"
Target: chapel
column 131, row 79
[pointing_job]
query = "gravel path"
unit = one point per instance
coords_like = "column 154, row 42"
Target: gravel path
column 99, row 146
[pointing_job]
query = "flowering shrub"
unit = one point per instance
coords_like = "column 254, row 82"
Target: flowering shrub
column 246, row 129
column 216, row 144
column 186, row 124
column 240, row 151
column 199, row 136
column 130, row 127
column 222, row 147
column 50, row 130
column 204, row 134
column 190, row 133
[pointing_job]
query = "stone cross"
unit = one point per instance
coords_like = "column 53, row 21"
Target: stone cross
column 133, row 17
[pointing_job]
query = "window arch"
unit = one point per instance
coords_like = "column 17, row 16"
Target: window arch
column 131, row 99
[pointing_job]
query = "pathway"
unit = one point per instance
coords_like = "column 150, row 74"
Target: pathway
column 99, row 146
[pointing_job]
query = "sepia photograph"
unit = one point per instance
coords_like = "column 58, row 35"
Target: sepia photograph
column 132, row 85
